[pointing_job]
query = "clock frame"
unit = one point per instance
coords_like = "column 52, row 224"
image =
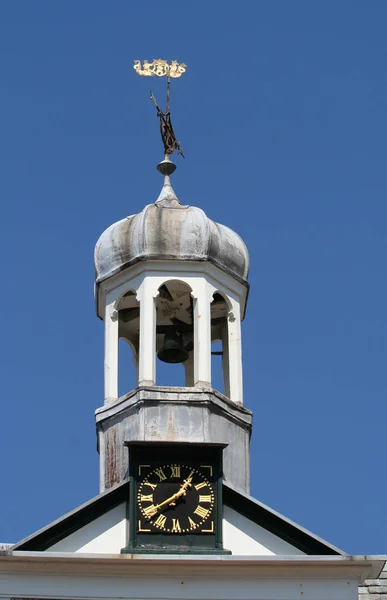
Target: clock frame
column 175, row 503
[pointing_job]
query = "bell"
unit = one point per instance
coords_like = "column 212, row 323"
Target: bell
column 173, row 350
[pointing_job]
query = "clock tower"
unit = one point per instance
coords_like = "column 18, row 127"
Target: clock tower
column 171, row 282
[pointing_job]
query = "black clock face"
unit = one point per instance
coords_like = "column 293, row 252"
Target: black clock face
column 176, row 498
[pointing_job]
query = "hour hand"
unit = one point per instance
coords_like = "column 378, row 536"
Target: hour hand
column 168, row 501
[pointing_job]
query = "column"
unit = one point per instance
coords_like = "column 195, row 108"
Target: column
column 202, row 335
column 147, row 351
column 235, row 354
column 225, row 361
column 111, row 353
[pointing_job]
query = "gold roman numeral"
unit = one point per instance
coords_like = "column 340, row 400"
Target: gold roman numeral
column 149, row 511
column 201, row 485
column 192, row 524
column 144, row 498
column 201, row 511
column 175, row 471
column 160, row 474
column 176, row 525
column 152, row 485
column 160, row 521
column 205, row 499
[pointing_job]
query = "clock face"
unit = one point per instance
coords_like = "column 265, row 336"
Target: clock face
column 176, row 498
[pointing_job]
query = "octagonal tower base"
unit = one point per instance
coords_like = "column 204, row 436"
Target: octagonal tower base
column 175, row 414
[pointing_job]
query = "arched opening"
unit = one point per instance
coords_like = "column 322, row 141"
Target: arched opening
column 127, row 370
column 128, row 347
column 219, row 344
column 217, row 366
column 174, row 334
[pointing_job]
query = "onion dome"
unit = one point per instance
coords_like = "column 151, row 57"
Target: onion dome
column 168, row 230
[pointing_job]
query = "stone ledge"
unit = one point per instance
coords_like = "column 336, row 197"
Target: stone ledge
column 177, row 395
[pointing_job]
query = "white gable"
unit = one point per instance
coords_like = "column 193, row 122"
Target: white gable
column 104, row 535
column 108, row 535
column 242, row 536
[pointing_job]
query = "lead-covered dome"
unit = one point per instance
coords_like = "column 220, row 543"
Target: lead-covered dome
column 168, row 230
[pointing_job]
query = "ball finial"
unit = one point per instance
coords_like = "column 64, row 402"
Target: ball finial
column 166, row 166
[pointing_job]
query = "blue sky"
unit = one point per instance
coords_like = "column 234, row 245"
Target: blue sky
column 282, row 118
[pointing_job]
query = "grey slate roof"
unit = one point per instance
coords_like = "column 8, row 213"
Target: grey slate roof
column 374, row 589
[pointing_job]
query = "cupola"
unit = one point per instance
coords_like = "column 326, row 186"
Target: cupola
column 171, row 282
column 154, row 271
column 168, row 230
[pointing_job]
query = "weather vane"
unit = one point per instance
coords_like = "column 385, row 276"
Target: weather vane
column 161, row 68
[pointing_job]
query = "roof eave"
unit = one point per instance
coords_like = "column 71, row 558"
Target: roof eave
column 337, row 567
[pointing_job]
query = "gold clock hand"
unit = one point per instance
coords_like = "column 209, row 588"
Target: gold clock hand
column 168, row 500
column 181, row 492
column 187, row 483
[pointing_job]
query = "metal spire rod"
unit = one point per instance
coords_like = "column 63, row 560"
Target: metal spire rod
column 168, row 107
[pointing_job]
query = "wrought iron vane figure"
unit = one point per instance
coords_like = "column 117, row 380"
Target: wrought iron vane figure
column 161, row 68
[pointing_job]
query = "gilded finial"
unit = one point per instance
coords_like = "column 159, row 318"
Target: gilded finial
column 160, row 68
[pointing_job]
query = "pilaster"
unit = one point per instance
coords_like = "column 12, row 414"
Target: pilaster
column 111, row 353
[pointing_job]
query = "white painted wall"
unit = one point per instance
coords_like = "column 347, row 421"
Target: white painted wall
column 104, row 535
column 173, row 587
column 244, row 537
column 107, row 535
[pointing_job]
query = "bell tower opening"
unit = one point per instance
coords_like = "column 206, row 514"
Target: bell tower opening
column 217, row 366
column 219, row 344
column 127, row 371
column 128, row 342
column 174, row 334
